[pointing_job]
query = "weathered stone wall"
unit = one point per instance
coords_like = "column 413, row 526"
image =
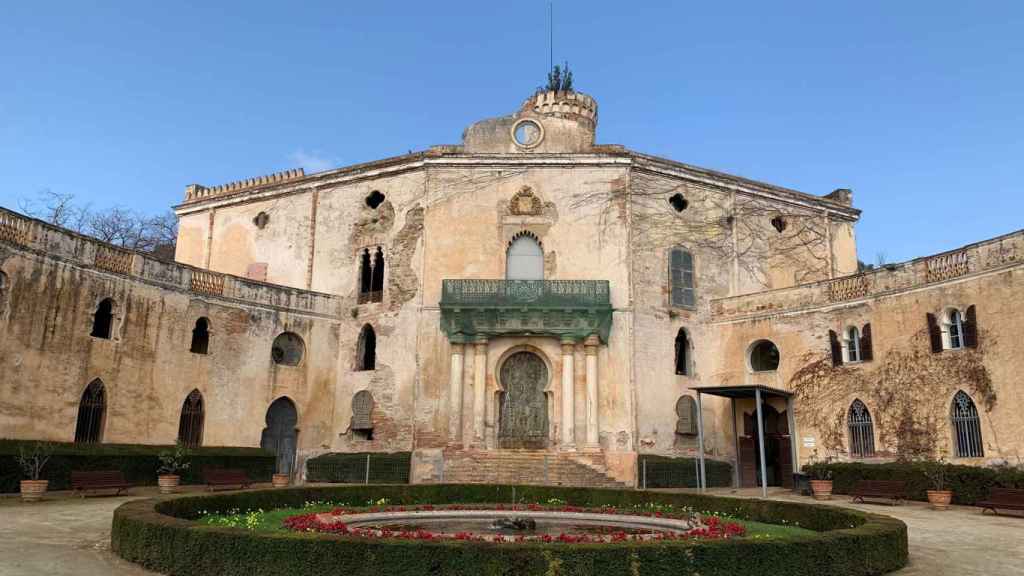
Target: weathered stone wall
column 906, row 387
column 55, row 279
column 736, row 249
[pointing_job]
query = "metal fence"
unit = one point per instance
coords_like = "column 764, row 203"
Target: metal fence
column 664, row 472
column 360, row 468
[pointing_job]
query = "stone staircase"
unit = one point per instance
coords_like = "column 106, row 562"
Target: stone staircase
column 528, row 467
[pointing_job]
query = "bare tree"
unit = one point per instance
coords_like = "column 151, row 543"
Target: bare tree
column 57, row 209
column 756, row 232
column 118, row 226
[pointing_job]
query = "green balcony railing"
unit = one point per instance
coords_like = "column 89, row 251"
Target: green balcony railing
column 566, row 309
column 564, row 294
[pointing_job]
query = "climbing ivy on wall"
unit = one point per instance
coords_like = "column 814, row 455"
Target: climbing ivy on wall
column 908, row 392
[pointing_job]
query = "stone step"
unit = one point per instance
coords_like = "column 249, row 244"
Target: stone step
column 528, row 467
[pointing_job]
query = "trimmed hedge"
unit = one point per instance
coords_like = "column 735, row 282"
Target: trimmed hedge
column 161, row 534
column 667, row 472
column 350, row 467
column 968, row 483
column 137, row 462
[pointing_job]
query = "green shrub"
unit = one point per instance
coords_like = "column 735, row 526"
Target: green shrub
column 161, row 535
column 968, row 483
column 665, row 472
column 137, row 462
column 350, row 467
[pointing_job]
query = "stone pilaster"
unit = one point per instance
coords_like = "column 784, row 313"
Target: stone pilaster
column 568, row 396
column 591, row 348
column 455, row 396
column 479, row 391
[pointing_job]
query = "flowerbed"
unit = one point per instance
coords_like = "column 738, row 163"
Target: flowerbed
column 706, row 527
column 172, row 536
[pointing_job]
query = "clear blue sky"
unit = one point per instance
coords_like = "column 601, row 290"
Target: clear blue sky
column 916, row 106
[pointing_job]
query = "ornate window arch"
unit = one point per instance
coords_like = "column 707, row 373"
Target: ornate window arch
column 524, row 257
column 92, row 414
column 190, row 424
column 862, row 430
column 200, row 337
column 966, row 425
column 366, row 349
column 103, row 319
column 683, row 357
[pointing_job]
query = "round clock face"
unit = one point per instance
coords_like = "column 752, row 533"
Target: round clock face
column 527, row 133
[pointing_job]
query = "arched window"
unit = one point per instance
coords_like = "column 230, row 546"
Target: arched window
column 288, row 349
column 852, row 343
column 377, row 280
column 525, row 258
column 682, row 352
column 190, row 425
column 966, row 427
column 3, row 281
column 103, row 319
column 681, row 278
column 371, row 276
column 200, row 337
column 366, row 349
column 92, row 411
column 862, row 430
column 764, row 356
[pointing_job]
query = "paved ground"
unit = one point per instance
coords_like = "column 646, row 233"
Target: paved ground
column 72, row 536
column 956, row 542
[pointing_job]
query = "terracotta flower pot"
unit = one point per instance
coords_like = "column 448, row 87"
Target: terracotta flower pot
column 940, row 499
column 280, row 480
column 168, row 483
column 822, row 489
column 33, row 490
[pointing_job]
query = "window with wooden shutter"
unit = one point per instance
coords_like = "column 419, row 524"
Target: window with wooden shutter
column 837, row 352
column 970, row 328
column 866, row 352
column 681, row 278
column 934, row 333
column 686, row 414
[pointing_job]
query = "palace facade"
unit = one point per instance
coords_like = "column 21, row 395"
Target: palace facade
column 527, row 294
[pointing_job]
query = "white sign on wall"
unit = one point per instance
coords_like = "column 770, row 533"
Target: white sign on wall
column 808, row 441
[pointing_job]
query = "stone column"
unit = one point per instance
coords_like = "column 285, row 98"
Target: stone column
column 479, row 391
column 591, row 347
column 455, row 396
column 568, row 395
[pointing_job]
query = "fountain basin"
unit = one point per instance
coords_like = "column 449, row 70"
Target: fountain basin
column 483, row 522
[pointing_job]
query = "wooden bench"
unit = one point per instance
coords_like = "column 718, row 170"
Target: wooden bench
column 225, row 477
column 83, row 480
column 894, row 490
column 1005, row 498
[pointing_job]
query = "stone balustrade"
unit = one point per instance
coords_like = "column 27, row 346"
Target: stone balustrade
column 972, row 259
column 55, row 242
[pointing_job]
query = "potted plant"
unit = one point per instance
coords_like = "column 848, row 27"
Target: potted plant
column 280, row 480
column 820, row 478
column 32, row 462
column 935, row 471
column 821, row 482
column 171, row 463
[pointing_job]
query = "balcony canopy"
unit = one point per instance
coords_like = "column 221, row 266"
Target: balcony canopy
column 566, row 309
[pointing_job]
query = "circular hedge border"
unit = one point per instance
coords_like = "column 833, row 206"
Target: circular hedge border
column 163, row 535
